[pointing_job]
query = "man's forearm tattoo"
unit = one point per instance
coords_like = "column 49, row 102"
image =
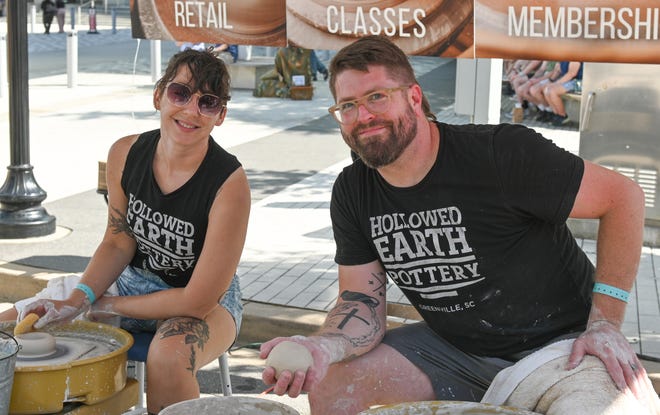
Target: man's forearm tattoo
column 195, row 332
column 118, row 223
column 379, row 282
column 358, row 313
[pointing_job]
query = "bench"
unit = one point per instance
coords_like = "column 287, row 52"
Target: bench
column 102, row 184
column 572, row 104
column 245, row 74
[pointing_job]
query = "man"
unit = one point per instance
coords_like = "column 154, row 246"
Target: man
column 569, row 80
column 469, row 221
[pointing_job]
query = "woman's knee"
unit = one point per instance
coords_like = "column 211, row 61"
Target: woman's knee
column 177, row 344
column 171, row 355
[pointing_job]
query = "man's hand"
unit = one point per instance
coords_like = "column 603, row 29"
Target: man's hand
column 53, row 311
column 295, row 383
column 605, row 341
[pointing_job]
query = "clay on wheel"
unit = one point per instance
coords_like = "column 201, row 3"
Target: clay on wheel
column 35, row 344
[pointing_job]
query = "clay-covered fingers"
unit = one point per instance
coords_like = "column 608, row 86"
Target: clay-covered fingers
column 606, row 342
column 35, row 307
column 52, row 311
column 286, row 382
column 266, row 347
column 290, row 383
column 613, row 358
column 640, row 385
column 634, row 377
column 268, row 376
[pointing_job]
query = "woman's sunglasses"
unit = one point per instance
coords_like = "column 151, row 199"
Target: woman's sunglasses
column 180, row 95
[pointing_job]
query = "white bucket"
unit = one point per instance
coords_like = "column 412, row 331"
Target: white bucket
column 8, row 351
column 229, row 405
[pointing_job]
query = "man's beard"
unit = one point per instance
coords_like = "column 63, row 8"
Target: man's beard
column 380, row 151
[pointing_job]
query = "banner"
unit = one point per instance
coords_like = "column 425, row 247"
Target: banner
column 240, row 22
column 569, row 30
column 560, row 30
column 418, row 27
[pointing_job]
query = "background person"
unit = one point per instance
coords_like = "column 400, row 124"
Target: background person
column 178, row 207
column 568, row 81
column 61, row 14
column 198, row 46
column 470, row 222
column 228, row 53
column 523, row 98
column 48, row 11
column 534, row 94
column 317, row 66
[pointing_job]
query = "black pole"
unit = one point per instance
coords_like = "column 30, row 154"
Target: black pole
column 21, row 213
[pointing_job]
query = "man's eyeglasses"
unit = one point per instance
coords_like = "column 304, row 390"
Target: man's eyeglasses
column 180, row 95
column 376, row 103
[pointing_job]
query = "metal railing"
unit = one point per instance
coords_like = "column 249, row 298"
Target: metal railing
column 116, row 15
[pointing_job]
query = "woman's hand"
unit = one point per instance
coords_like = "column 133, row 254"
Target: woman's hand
column 53, row 311
column 102, row 309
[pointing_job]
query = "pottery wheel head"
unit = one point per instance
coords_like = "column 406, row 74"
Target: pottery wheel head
column 37, row 345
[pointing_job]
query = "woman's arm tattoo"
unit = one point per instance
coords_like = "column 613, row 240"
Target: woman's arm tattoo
column 118, row 223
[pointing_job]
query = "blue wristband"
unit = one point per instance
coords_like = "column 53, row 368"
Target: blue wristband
column 614, row 292
column 88, row 292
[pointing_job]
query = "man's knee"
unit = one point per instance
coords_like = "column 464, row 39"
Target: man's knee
column 585, row 390
column 333, row 395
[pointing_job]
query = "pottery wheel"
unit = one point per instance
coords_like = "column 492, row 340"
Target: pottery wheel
column 69, row 348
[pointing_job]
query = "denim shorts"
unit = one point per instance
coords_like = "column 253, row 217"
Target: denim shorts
column 137, row 281
column 574, row 85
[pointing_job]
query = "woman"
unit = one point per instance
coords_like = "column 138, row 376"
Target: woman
column 178, row 210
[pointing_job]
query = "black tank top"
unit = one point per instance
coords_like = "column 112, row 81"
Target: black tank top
column 170, row 228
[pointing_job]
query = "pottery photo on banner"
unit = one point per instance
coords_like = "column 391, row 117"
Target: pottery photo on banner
column 245, row 22
column 418, row 27
column 568, row 30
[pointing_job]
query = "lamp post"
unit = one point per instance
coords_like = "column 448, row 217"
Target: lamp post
column 21, row 213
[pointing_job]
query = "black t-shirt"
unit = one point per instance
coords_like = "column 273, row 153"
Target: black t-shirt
column 480, row 246
column 170, row 228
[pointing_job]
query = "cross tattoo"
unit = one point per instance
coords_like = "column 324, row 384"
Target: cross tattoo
column 350, row 315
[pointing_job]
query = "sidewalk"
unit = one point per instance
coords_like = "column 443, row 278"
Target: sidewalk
column 287, row 271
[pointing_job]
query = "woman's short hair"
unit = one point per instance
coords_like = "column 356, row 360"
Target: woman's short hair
column 209, row 74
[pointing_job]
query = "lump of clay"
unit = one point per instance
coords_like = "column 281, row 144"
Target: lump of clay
column 289, row 356
column 36, row 344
